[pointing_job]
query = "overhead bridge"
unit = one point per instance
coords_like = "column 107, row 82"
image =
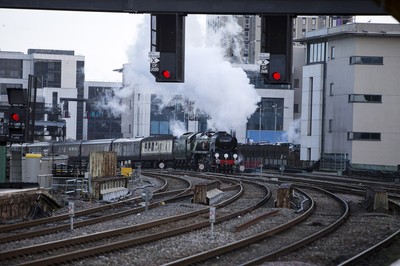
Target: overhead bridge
column 293, row 7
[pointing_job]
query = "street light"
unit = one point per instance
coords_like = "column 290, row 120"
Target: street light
column 259, row 123
column 275, row 106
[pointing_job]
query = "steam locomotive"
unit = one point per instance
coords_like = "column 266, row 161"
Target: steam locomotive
column 208, row 151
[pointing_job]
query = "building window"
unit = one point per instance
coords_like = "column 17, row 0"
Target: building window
column 366, row 60
column 4, row 86
column 304, row 21
column 48, row 73
column 269, row 116
column 11, row 68
column 365, row 98
column 296, row 108
column 332, row 52
column 296, row 83
column 330, row 123
column 316, row 52
column 364, row 136
column 331, row 89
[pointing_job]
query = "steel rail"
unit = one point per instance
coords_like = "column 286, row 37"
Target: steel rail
column 303, row 242
column 135, row 241
column 202, row 256
column 25, row 224
column 90, row 221
column 374, row 249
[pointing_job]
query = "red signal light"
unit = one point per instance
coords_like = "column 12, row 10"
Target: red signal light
column 166, row 74
column 276, row 76
column 15, row 117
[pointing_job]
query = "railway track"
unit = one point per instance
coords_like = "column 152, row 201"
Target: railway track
column 173, row 240
column 306, row 228
column 382, row 246
column 377, row 254
column 40, row 227
column 128, row 236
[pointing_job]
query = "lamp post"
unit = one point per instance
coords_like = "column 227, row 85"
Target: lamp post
column 275, row 106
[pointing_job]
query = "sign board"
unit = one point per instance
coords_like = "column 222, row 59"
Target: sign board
column 161, row 165
column 263, row 69
column 263, row 56
column 212, row 214
column 71, row 208
column 154, row 67
column 154, row 54
column 241, row 168
column 147, row 194
column 263, row 61
column 153, row 60
column 201, row 166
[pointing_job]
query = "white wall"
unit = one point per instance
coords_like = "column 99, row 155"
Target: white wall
column 312, row 141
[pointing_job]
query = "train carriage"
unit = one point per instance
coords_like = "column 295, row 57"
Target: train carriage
column 127, row 149
column 157, row 149
column 43, row 148
column 96, row 145
column 70, row 148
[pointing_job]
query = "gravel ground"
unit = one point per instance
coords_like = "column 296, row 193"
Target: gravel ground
column 354, row 236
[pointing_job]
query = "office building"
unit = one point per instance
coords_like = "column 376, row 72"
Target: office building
column 102, row 119
column 60, row 75
column 350, row 95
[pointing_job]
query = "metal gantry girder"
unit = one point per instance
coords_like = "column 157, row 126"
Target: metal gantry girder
column 295, row 7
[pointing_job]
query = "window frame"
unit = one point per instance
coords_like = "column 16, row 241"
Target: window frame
column 366, row 60
column 368, row 98
column 364, row 136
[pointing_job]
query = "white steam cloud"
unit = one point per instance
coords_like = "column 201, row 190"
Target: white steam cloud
column 293, row 134
column 214, row 85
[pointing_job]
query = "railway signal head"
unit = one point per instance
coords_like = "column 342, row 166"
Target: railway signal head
column 276, row 76
column 277, row 69
column 16, row 115
column 16, row 123
column 166, row 74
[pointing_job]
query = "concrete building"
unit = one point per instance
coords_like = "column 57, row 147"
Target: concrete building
column 60, row 74
column 350, row 95
column 102, row 119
